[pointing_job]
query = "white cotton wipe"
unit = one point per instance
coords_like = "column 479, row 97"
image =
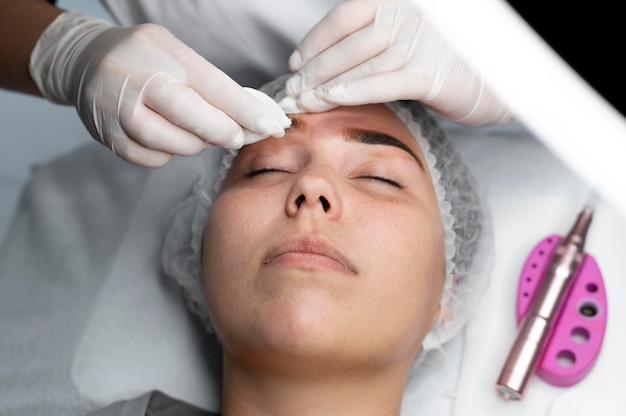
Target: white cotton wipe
column 278, row 121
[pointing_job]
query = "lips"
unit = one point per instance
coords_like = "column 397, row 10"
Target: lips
column 310, row 252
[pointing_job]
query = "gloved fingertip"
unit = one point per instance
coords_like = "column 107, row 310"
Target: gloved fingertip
column 251, row 137
column 285, row 122
column 289, row 106
column 313, row 101
column 237, row 141
column 293, row 86
column 269, row 126
column 295, row 61
column 262, row 125
column 336, row 93
column 282, row 124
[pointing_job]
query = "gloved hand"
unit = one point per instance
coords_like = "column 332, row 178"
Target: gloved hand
column 145, row 94
column 369, row 51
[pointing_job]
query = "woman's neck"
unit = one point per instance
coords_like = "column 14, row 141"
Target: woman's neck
column 259, row 393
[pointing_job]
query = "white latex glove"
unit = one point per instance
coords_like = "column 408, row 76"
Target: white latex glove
column 370, row 51
column 145, row 94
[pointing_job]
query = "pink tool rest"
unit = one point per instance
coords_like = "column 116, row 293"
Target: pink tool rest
column 576, row 339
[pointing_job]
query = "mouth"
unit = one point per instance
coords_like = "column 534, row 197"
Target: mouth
column 308, row 253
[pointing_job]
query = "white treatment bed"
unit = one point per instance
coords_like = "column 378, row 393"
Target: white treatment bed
column 87, row 318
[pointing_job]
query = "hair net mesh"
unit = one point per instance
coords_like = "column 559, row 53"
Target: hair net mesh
column 466, row 223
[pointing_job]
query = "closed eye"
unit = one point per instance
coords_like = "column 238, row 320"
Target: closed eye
column 384, row 180
column 262, row 171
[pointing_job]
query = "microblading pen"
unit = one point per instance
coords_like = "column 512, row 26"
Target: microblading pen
column 535, row 328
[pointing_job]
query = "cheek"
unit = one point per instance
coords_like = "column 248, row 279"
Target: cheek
column 234, row 226
column 230, row 253
column 406, row 238
column 222, row 235
column 406, row 255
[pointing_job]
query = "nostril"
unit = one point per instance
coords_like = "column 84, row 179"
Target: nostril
column 325, row 203
column 299, row 200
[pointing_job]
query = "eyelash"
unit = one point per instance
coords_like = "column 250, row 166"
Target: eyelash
column 386, row 181
column 258, row 172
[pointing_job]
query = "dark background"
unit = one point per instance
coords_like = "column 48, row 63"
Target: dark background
column 589, row 39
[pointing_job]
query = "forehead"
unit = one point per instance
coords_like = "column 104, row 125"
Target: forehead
column 341, row 121
column 375, row 117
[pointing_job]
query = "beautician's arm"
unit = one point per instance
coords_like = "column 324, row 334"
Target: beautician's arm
column 21, row 24
column 138, row 89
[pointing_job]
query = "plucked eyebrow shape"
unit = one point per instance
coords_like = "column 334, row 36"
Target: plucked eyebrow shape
column 353, row 134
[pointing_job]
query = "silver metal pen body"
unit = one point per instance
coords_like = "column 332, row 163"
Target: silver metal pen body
column 536, row 327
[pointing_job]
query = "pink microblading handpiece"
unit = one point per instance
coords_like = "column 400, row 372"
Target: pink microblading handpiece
column 536, row 327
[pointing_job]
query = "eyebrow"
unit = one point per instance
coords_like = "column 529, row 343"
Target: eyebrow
column 369, row 137
column 378, row 138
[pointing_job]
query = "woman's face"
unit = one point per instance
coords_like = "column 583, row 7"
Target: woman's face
column 327, row 243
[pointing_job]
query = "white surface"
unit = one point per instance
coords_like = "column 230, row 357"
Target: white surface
column 587, row 401
column 532, row 194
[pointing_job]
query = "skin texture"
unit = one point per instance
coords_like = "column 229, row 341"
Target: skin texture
column 322, row 276
column 21, row 24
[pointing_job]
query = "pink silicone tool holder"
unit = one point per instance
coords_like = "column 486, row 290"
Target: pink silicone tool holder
column 576, row 338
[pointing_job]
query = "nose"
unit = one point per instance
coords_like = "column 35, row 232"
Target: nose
column 313, row 193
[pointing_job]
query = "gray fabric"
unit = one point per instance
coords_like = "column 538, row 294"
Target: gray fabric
column 249, row 40
column 164, row 405
column 131, row 407
column 51, row 270
column 86, row 315
column 155, row 403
